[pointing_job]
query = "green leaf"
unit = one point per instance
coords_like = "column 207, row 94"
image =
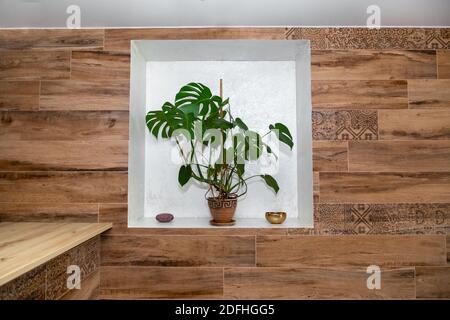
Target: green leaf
column 197, row 99
column 241, row 124
column 271, row 182
column 283, row 134
column 184, row 174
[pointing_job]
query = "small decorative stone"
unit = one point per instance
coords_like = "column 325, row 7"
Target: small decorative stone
column 164, row 217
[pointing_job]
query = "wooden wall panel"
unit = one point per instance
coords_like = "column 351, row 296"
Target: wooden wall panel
column 413, row 124
column 48, row 212
column 84, row 187
column 315, row 283
column 119, row 39
column 429, row 94
column 372, row 65
column 399, row 156
column 32, row 65
column 324, row 251
column 63, row 155
column 51, row 39
column 443, row 64
column 433, row 282
column 84, row 95
column 160, row 283
column 384, row 187
column 187, row 251
column 348, row 94
column 330, row 156
column 100, row 65
column 55, row 125
column 19, row 95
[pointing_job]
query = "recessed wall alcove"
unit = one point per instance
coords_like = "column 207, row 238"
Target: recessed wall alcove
column 267, row 81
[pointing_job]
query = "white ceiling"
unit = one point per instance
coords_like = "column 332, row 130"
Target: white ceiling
column 190, row 13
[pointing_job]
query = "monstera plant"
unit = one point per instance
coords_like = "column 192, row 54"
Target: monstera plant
column 215, row 147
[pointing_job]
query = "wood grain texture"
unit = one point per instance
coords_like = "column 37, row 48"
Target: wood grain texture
column 433, row 282
column 64, row 155
column 90, row 289
column 399, row 156
column 33, row 65
column 19, row 95
column 27, row 245
column 84, row 95
column 372, row 64
column 315, row 283
column 413, row 124
column 51, row 39
column 330, row 156
column 359, row 187
column 331, row 251
column 429, row 94
column 48, row 212
column 160, row 283
column 118, row 215
column 448, row 248
column 119, row 39
column 348, row 94
column 187, row 251
column 100, row 65
column 443, row 64
column 56, row 125
column 68, row 187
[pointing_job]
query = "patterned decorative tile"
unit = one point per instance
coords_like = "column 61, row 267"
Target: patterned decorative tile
column 405, row 218
column 345, row 125
column 438, row 38
column 360, row 38
column 30, row 286
column 86, row 256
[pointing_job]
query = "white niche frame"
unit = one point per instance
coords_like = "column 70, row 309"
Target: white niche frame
column 145, row 51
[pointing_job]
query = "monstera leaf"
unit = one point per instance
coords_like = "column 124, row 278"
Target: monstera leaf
column 197, row 99
column 165, row 121
column 283, row 134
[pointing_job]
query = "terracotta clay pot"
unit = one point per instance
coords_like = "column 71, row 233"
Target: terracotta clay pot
column 222, row 209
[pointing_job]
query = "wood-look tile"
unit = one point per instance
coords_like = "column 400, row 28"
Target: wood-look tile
column 443, row 63
column 118, row 215
column 316, row 187
column 433, row 282
column 413, row 124
column 429, row 94
column 89, row 290
column 52, row 39
column 360, row 38
column 344, row 125
column 437, row 38
column 372, row 64
column 100, row 65
column 19, row 95
column 68, row 187
column 448, row 248
column 119, row 39
column 34, row 65
column 56, row 125
column 160, row 283
column 399, row 156
column 179, row 251
column 357, row 250
column 315, row 283
column 347, row 94
column 48, row 212
column 84, row 95
column 63, row 155
column 330, row 156
column 29, row 286
column 362, row 187
column 385, row 218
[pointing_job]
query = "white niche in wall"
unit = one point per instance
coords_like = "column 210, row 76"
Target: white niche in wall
column 267, row 81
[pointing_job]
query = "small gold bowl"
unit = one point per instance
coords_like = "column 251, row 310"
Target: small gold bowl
column 276, row 217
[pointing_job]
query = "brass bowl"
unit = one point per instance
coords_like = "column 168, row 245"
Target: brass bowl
column 276, row 217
